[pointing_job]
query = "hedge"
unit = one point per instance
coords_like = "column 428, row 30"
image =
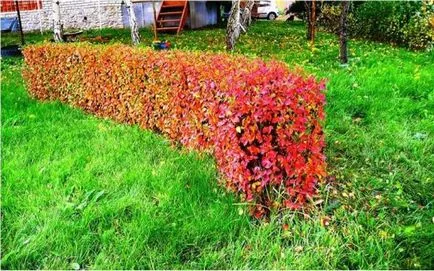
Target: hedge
column 261, row 121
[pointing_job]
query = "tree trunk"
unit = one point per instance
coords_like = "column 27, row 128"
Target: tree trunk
column 343, row 35
column 135, row 36
column 308, row 20
column 310, row 7
column 313, row 21
column 246, row 17
column 57, row 24
column 233, row 27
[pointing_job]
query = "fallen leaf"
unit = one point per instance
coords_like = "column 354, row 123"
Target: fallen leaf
column 298, row 249
column 75, row 266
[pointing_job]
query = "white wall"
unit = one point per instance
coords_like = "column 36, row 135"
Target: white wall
column 86, row 14
column 144, row 14
column 81, row 14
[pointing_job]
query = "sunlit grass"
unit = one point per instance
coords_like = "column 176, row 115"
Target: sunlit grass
column 78, row 191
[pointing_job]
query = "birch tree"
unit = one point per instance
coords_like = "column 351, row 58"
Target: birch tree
column 233, row 27
column 135, row 36
column 246, row 17
column 343, row 35
column 57, row 24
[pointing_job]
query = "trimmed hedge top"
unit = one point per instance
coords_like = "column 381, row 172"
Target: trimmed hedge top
column 261, row 121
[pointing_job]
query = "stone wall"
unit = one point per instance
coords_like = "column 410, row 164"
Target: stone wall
column 78, row 14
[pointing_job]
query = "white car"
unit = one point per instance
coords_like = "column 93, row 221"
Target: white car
column 265, row 10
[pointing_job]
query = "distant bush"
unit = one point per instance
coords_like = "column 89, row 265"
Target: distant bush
column 401, row 22
column 407, row 23
column 330, row 17
column 261, row 121
column 298, row 8
column 419, row 32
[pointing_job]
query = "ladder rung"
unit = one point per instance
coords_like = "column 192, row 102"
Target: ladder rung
column 171, row 13
column 169, row 20
column 168, row 28
column 172, row 6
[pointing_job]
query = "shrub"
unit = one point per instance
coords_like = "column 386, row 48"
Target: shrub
column 419, row 32
column 330, row 18
column 261, row 121
column 406, row 23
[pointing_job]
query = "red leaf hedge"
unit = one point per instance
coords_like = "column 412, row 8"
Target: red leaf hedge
column 261, row 121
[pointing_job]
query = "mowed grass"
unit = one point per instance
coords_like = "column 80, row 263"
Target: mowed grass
column 83, row 192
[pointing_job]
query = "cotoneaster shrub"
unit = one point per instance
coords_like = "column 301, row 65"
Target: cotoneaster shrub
column 261, row 121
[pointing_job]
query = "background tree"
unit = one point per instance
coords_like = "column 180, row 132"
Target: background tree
column 246, row 17
column 343, row 35
column 237, row 22
column 310, row 7
column 57, row 24
column 135, row 36
column 233, row 26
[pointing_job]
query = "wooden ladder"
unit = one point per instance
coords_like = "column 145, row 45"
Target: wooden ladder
column 172, row 16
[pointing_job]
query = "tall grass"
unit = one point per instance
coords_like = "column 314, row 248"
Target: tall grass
column 82, row 192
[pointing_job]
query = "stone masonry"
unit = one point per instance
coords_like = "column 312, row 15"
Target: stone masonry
column 75, row 14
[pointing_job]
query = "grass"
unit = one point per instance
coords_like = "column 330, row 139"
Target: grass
column 83, row 192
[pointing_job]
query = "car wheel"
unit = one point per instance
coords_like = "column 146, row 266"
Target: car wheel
column 272, row 16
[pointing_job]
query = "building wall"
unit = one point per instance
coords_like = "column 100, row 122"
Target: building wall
column 86, row 14
column 144, row 14
column 203, row 13
column 80, row 14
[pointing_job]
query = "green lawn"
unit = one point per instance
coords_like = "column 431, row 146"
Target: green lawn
column 83, row 192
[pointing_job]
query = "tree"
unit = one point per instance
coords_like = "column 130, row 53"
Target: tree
column 57, row 24
column 343, row 35
column 237, row 22
column 246, row 17
column 233, row 27
column 311, row 20
column 135, row 36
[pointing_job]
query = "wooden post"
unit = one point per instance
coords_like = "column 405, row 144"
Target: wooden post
column 57, row 24
column 19, row 21
column 135, row 36
column 343, row 35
